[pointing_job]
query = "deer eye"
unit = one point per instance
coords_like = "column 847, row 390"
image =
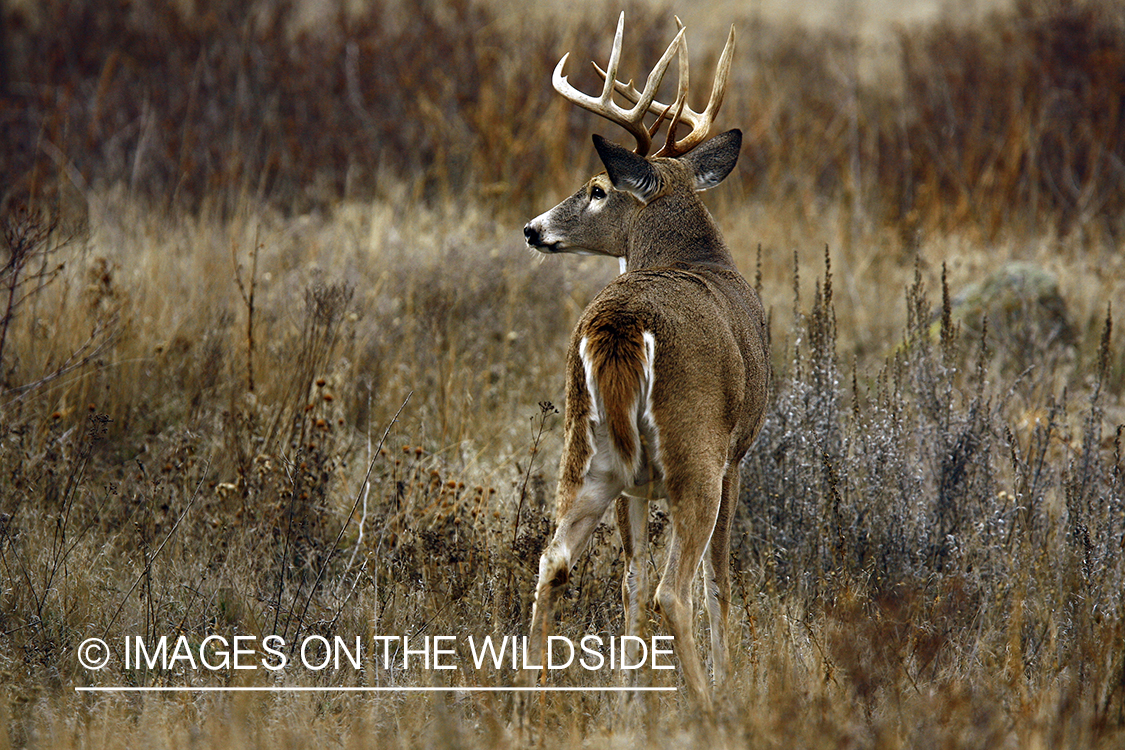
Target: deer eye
column 597, row 193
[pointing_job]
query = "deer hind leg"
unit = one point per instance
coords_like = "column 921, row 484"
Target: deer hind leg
column 591, row 499
column 632, row 523
column 716, row 576
column 693, row 507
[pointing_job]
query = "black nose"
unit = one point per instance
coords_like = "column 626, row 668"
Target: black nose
column 531, row 234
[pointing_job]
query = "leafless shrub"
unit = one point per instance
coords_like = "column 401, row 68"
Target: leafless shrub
column 927, row 514
column 30, row 244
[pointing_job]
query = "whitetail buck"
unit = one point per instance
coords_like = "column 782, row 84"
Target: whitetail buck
column 667, row 371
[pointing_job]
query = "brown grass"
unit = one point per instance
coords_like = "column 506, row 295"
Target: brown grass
column 929, row 548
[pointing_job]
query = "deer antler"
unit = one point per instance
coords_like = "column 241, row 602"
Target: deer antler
column 700, row 122
column 631, row 119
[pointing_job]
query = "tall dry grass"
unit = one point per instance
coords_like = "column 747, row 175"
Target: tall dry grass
column 240, row 243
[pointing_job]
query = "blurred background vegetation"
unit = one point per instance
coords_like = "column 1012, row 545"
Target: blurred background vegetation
column 1013, row 120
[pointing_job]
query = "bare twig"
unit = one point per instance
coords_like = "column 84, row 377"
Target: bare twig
column 87, row 351
column 336, row 544
column 247, row 291
column 156, row 554
column 546, row 409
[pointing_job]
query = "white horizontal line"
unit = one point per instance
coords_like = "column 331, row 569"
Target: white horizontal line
column 468, row 689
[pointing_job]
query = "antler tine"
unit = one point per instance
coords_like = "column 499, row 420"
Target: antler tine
column 614, row 57
column 722, row 72
column 700, row 122
column 631, row 119
column 680, row 101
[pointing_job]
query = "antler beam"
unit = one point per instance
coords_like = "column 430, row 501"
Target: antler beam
column 632, row 119
column 700, row 122
column 645, row 103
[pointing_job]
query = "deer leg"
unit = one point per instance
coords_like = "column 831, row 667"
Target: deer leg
column 693, row 507
column 716, row 576
column 632, row 523
column 574, row 529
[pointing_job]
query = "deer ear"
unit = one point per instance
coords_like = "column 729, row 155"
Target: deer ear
column 713, row 160
column 628, row 172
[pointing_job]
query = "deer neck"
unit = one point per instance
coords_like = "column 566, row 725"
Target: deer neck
column 672, row 235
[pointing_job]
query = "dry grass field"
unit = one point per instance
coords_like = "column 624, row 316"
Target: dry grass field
column 274, row 361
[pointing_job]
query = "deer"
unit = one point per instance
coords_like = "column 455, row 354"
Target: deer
column 667, row 370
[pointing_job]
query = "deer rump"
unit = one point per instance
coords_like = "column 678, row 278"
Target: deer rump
column 652, row 343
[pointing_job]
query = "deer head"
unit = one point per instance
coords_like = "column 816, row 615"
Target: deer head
column 621, row 211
